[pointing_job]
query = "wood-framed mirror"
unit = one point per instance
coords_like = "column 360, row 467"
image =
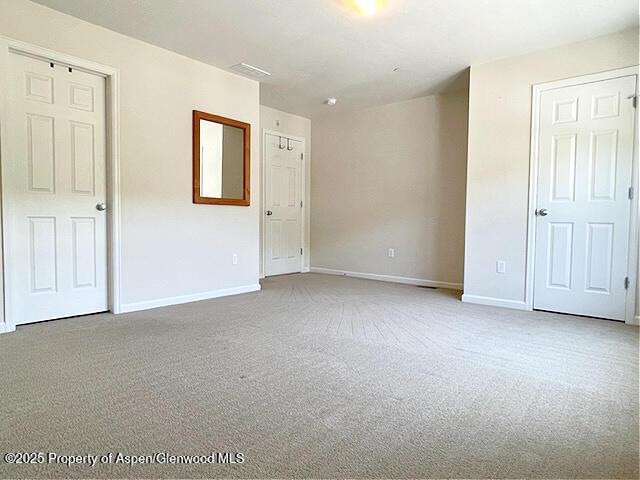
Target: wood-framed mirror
column 221, row 158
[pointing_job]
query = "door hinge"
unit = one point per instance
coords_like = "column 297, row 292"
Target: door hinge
column 626, row 283
column 300, row 203
column 300, row 251
column 634, row 100
column 630, row 193
column 302, row 156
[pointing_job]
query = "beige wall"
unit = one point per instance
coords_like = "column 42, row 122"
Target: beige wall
column 290, row 124
column 391, row 177
column 171, row 248
column 498, row 160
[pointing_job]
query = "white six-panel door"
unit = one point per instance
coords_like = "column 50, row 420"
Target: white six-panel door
column 53, row 178
column 283, row 207
column 583, row 208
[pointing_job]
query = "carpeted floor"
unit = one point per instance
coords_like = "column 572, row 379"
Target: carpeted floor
column 321, row 376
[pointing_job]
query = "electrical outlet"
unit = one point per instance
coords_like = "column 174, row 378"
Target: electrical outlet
column 235, row 259
column 392, row 252
column 501, row 266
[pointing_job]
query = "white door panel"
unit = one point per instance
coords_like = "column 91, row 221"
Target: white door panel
column 53, row 176
column 585, row 171
column 283, row 208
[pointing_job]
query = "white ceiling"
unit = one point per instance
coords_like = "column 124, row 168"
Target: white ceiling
column 318, row 48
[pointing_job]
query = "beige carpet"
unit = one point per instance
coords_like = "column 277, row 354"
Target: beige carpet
column 320, row 376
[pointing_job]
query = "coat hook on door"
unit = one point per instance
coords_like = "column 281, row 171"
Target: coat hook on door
column 288, row 147
column 280, row 146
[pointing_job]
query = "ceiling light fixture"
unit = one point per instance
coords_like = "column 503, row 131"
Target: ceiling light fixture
column 367, row 7
column 331, row 101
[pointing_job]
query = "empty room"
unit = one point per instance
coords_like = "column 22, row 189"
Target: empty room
column 319, row 239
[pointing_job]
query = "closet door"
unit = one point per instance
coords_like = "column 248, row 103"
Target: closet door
column 54, row 189
column 283, row 205
column 583, row 205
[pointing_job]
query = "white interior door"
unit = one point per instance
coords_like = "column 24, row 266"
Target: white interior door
column 583, row 207
column 53, row 178
column 283, row 205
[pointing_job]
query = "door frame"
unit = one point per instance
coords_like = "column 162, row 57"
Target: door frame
column 10, row 46
column 632, row 259
column 263, row 196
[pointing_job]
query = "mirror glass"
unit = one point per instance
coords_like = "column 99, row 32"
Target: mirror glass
column 220, row 160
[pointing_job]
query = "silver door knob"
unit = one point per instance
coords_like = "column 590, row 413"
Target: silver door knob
column 269, row 213
column 101, row 206
column 542, row 212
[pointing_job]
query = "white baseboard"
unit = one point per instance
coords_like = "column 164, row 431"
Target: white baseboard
column 5, row 328
column 634, row 321
column 494, row 302
column 389, row 278
column 306, row 269
column 163, row 302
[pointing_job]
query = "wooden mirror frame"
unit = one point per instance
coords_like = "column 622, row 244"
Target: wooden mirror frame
column 244, row 201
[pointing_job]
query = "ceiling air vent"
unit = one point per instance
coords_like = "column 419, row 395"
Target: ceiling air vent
column 249, row 70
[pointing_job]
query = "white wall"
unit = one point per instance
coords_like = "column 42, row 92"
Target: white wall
column 498, row 159
column 391, row 177
column 289, row 124
column 170, row 247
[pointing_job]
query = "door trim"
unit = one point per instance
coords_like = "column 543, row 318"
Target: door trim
column 112, row 93
column 632, row 262
column 263, row 197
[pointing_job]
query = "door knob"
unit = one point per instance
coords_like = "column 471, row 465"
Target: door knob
column 542, row 212
column 269, row 213
column 101, row 206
